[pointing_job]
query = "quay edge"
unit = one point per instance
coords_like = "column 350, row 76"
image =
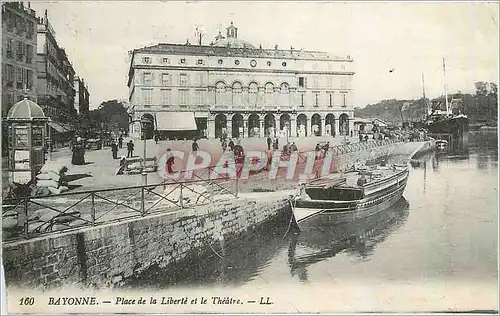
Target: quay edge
column 113, row 254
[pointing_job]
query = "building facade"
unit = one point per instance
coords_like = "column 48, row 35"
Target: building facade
column 55, row 75
column 231, row 87
column 82, row 96
column 19, row 42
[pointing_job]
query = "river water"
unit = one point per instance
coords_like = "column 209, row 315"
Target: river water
column 443, row 231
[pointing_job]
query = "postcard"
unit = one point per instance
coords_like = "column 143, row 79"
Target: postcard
column 166, row 157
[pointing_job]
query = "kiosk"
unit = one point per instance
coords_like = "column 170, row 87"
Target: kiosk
column 27, row 128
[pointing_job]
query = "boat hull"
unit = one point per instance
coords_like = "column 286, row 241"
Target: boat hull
column 347, row 211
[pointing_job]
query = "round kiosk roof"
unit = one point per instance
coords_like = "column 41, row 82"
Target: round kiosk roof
column 26, row 110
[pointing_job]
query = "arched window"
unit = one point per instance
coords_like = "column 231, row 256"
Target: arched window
column 220, row 90
column 237, row 94
column 284, row 94
column 269, row 89
column 252, row 94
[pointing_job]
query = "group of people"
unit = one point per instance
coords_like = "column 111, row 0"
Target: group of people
column 115, row 147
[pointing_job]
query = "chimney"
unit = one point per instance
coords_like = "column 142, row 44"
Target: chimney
column 276, row 47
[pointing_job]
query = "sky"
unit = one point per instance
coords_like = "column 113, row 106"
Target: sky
column 411, row 38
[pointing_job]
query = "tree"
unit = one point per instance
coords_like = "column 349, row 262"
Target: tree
column 111, row 115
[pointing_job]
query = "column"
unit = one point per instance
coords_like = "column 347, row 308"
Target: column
column 310, row 125
column 211, row 127
column 293, row 126
column 351, row 126
column 323, row 126
column 261, row 127
column 276, row 124
column 338, row 127
column 229, row 126
column 245, row 126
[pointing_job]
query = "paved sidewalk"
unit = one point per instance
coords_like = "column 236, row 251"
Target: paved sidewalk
column 99, row 172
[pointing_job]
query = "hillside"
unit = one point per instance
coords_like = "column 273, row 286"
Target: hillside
column 393, row 110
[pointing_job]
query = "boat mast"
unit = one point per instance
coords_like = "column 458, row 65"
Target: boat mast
column 445, row 90
column 425, row 99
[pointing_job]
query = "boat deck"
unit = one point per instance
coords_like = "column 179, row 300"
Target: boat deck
column 350, row 179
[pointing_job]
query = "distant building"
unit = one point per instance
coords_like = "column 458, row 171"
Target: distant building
column 82, row 96
column 55, row 75
column 18, row 54
column 232, row 87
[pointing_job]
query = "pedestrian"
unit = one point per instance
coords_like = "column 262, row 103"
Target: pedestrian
column 130, row 149
column 195, row 147
column 269, row 140
column 326, row 148
column 276, row 144
column 224, row 145
column 156, row 137
column 114, row 150
column 293, row 147
column 170, row 161
column 366, row 138
column 78, row 157
column 333, row 134
column 351, row 134
column 360, row 137
column 231, row 145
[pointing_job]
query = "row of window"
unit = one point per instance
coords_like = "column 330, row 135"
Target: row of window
column 17, row 77
column 18, row 50
column 183, row 61
column 236, row 98
column 185, row 79
column 19, row 24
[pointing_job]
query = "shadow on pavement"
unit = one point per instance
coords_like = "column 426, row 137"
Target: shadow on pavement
column 74, row 177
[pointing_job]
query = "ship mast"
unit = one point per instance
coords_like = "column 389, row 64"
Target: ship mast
column 445, row 90
column 428, row 110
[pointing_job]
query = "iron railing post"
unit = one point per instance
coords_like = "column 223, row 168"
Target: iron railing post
column 25, row 224
column 143, row 208
column 92, row 211
column 237, row 188
column 181, row 198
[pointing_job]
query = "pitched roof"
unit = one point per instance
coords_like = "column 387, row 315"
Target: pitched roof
column 182, row 49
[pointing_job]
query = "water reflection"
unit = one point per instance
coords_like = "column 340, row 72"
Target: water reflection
column 321, row 239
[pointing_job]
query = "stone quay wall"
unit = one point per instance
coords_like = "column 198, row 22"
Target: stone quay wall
column 106, row 256
column 404, row 149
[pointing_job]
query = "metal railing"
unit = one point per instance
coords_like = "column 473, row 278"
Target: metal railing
column 31, row 216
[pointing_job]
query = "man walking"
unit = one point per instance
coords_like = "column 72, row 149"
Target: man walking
column 120, row 142
column 130, row 149
column 195, row 147
column 114, row 150
column 269, row 141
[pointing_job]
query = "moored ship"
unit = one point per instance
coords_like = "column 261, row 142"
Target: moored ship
column 354, row 195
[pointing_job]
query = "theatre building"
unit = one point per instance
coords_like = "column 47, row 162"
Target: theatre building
column 232, row 87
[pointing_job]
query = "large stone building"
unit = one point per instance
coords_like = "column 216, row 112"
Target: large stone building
column 18, row 54
column 81, row 96
column 55, row 75
column 233, row 87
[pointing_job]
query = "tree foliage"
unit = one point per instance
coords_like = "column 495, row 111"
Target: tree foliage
column 111, row 115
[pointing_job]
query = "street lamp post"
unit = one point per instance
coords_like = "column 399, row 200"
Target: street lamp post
column 144, row 121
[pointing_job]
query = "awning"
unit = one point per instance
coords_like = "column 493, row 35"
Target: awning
column 175, row 121
column 58, row 128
